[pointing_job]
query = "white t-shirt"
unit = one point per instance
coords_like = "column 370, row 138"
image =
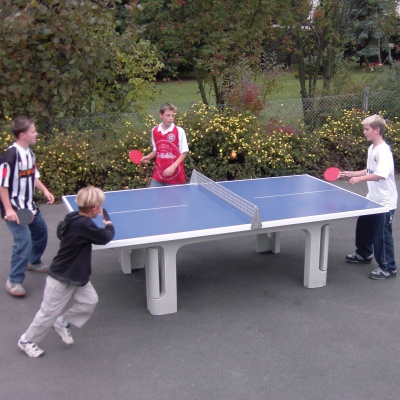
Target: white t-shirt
column 380, row 162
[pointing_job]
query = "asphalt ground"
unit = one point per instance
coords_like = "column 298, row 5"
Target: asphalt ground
column 246, row 328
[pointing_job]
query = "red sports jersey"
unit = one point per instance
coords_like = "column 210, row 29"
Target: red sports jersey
column 167, row 152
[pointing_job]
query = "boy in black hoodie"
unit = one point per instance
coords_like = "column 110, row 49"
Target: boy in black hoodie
column 69, row 274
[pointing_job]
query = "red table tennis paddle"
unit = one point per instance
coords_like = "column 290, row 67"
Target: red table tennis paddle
column 135, row 156
column 332, row 174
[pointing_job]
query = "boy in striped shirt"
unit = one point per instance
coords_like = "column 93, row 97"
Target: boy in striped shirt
column 19, row 177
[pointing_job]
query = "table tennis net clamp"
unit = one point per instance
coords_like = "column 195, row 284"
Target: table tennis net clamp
column 228, row 197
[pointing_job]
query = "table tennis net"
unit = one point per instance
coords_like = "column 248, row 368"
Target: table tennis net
column 228, row 197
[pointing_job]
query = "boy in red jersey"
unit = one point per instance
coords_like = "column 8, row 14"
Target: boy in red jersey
column 170, row 149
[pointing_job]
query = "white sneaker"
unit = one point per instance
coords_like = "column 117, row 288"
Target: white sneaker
column 65, row 333
column 31, row 349
column 15, row 289
column 38, row 267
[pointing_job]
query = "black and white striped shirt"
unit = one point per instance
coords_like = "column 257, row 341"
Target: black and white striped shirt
column 18, row 172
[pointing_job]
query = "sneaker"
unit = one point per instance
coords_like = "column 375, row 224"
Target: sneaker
column 356, row 258
column 38, row 267
column 65, row 333
column 15, row 289
column 31, row 349
column 380, row 273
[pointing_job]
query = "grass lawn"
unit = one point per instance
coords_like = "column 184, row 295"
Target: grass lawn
column 183, row 92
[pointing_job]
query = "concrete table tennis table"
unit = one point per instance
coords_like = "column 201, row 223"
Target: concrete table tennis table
column 152, row 224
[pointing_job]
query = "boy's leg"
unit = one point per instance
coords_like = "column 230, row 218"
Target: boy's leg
column 55, row 298
column 21, row 249
column 383, row 241
column 365, row 235
column 86, row 299
column 38, row 229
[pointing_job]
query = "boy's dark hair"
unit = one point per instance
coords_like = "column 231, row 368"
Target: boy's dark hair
column 167, row 106
column 20, row 125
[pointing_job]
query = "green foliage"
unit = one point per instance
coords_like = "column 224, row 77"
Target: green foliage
column 258, row 151
column 65, row 58
column 344, row 143
column 207, row 37
column 223, row 146
column 345, row 80
column 249, row 83
column 70, row 161
column 335, row 26
column 374, row 22
column 389, row 79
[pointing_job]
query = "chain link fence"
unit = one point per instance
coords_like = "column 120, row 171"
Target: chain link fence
column 311, row 112
column 101, row 122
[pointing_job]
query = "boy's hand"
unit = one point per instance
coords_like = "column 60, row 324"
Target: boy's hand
column 145, row 160
column 11, row 215
column 355, row 180
column 48, row 196
column 344, row 175
column 169, row 171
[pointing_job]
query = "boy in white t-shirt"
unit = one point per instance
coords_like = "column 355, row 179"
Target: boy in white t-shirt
column 374, row 232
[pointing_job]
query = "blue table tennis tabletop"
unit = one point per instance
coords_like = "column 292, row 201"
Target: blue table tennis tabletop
column 181, row 209
column 170, row 217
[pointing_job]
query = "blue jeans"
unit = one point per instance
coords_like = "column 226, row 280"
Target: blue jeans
column 374, row 235
column 30, row 242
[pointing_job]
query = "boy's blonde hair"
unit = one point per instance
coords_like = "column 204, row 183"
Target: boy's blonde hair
column 376, row 121
column 89, row 197
column 167, row 106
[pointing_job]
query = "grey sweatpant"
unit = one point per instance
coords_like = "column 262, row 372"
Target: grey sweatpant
column 55, row 298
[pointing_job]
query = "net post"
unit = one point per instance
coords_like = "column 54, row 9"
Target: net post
column 256, row 221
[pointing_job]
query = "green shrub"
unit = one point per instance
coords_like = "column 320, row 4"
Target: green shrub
column 259, row 151
column 223, row 146
column 344, row 143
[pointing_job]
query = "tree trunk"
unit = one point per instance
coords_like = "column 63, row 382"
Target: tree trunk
column 200, row 83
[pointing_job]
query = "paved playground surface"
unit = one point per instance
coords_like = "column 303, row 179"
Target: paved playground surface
column 246, row 328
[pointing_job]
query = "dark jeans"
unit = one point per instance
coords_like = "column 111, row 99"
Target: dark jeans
column 374, row 235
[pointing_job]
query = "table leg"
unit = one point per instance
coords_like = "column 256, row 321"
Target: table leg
column 268, row 242
column 132, row 259
column 316, row 255
column 161, row 287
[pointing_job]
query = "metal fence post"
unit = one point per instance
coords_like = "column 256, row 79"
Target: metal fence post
column 366, row 99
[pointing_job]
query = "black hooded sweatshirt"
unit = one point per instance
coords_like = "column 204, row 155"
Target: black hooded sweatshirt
column 72, row 264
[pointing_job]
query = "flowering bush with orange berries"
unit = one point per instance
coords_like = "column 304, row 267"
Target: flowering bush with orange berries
column 223, row 145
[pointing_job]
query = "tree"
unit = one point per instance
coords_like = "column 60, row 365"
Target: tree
column 374, row 23
column 319, row 33
column 65, row 58
column 208, row 37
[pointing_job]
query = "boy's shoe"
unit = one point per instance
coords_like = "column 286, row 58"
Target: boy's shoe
column 38, row 267
column 15, row 289
column 356, row 258
column 31, row 349
column 65, row 333
column 380, row 273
